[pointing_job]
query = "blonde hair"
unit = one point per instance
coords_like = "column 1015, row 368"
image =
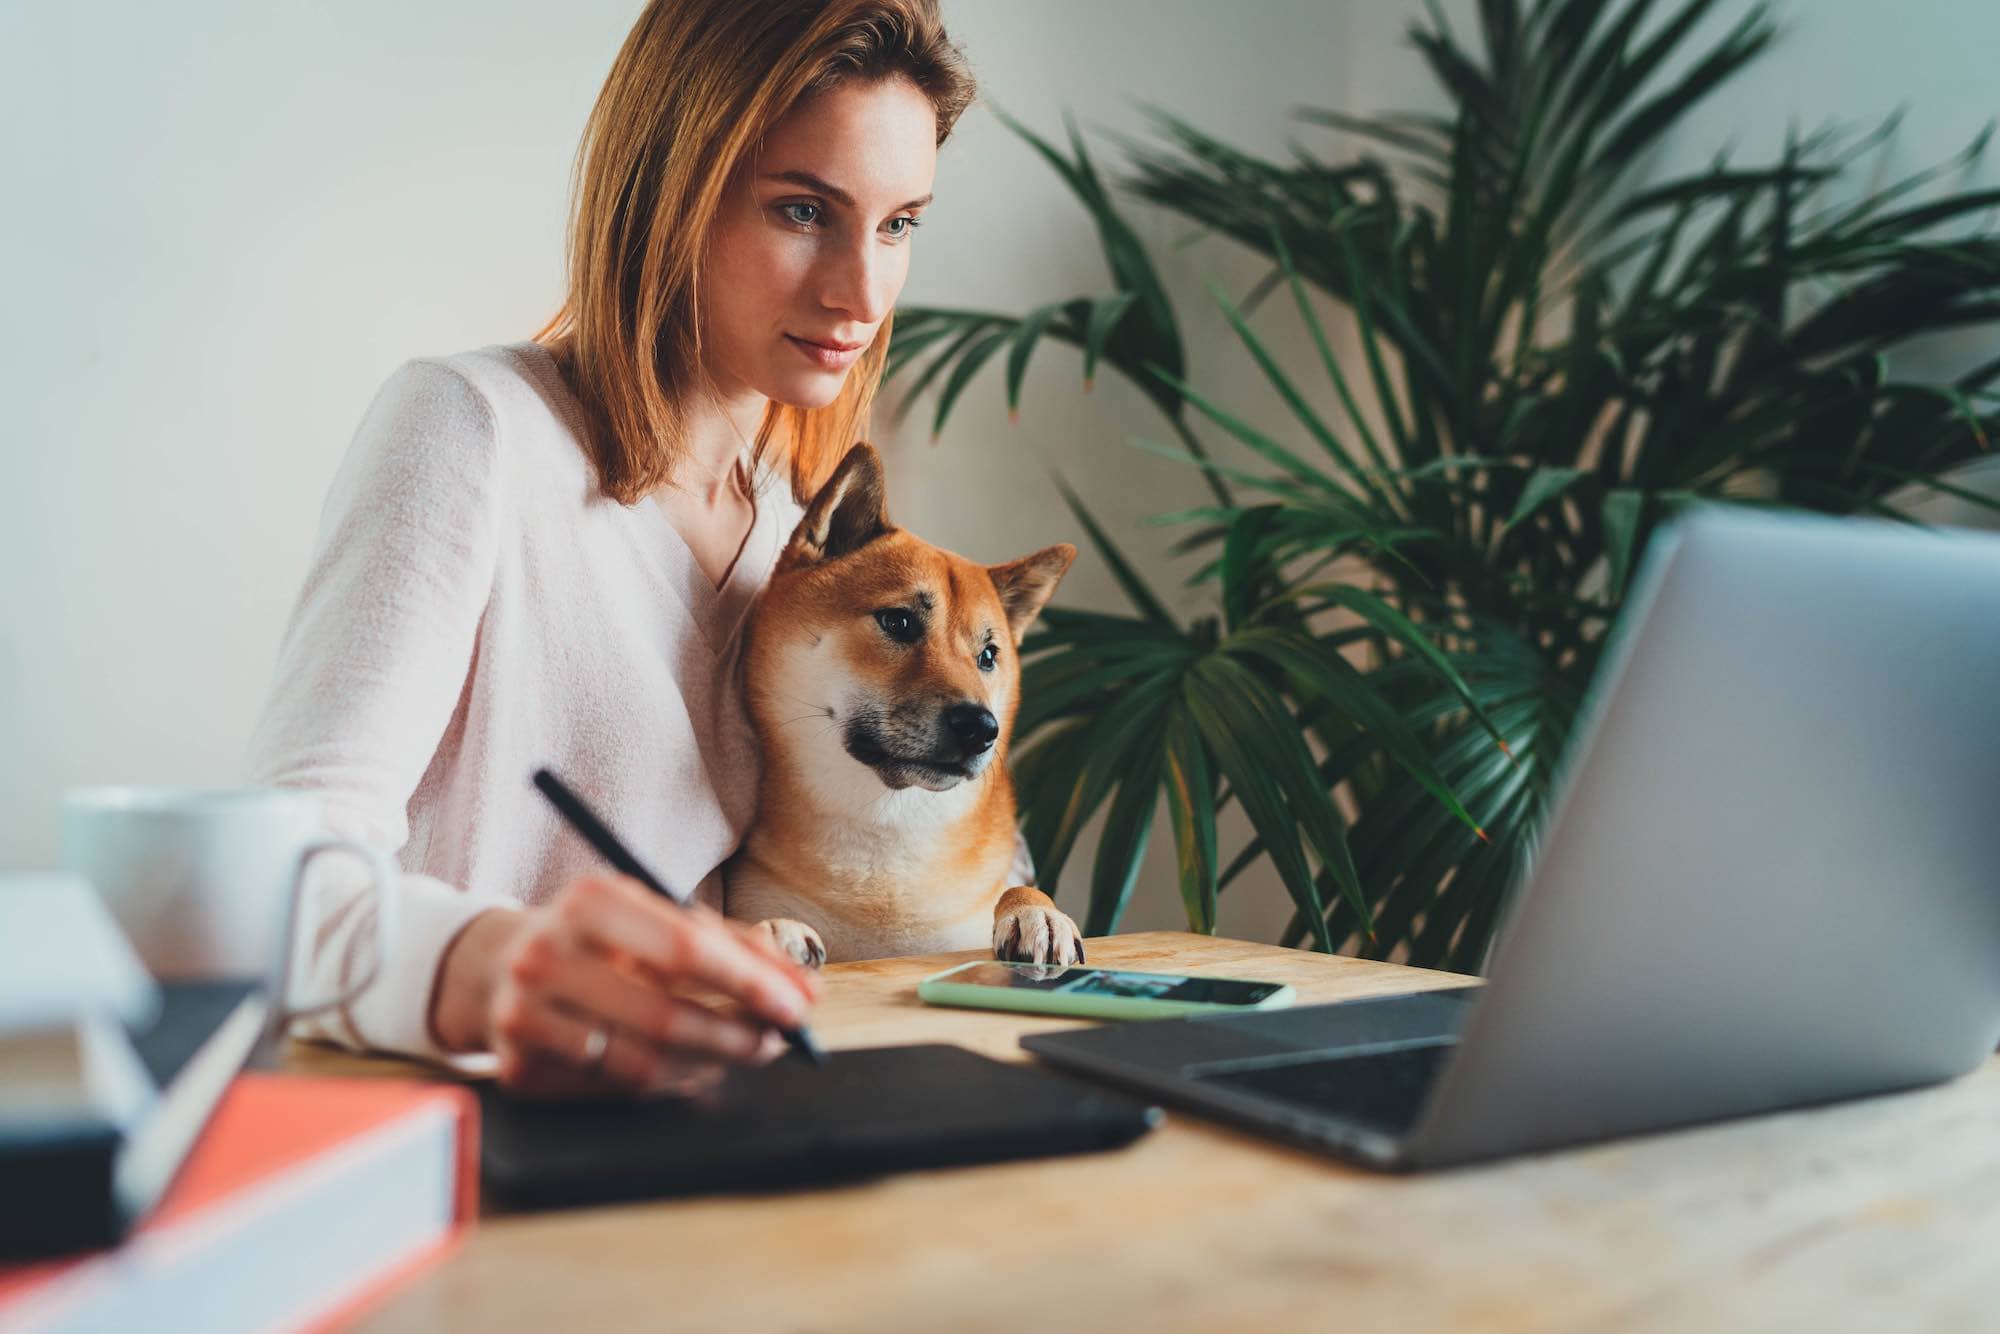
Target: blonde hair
column 695, row 87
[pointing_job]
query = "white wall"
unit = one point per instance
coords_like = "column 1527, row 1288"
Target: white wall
column 224, row 222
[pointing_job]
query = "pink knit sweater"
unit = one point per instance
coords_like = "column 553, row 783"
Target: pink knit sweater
column 477, row 608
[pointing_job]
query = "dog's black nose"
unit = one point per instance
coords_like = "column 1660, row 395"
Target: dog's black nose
column 974, row 725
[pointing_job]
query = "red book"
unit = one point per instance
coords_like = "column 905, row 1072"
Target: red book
column 306, row 1200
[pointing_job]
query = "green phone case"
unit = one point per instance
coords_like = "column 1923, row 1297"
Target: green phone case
column 939, row 989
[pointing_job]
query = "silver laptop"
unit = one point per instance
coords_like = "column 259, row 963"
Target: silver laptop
column 1770, row 877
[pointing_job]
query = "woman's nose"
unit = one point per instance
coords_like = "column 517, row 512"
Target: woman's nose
column 861, row 282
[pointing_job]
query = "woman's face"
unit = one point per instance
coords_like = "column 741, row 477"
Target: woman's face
column 812, row 243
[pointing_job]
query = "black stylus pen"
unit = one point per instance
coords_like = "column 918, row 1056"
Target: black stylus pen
column 599, row 836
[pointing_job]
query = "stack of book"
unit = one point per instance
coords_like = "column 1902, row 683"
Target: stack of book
column 152, row 1183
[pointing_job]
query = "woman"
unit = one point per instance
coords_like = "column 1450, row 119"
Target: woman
column 542, row 554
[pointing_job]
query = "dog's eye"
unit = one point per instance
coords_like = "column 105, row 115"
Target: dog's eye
column 898, row 624
column 988, row 656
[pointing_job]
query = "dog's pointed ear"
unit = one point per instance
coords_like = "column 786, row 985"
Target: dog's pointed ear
column 1024, row 585
column 849, row 512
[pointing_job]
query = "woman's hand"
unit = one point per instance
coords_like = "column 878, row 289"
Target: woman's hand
column 677, row 993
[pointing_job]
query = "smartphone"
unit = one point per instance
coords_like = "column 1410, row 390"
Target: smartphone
column 1096, row 993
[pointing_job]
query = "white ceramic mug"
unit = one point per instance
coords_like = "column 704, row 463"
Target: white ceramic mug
column 206, row 884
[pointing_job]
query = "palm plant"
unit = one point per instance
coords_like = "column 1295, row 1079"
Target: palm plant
column 1553, row 356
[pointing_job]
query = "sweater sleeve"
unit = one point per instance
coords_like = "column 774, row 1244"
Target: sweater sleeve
column 371, row 667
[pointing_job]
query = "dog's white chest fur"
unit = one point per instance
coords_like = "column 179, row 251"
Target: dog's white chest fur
column 876, row 896
column 875, row 931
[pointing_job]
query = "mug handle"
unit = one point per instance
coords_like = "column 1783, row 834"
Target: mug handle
column 385, row 876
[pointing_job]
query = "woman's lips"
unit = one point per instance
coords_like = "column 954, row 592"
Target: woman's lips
column 825, row 355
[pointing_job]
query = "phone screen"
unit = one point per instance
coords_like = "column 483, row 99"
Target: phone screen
column 1106, row 982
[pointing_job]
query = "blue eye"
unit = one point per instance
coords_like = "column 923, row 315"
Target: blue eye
column 988, row 656
column 790, row 216
column 909, row 225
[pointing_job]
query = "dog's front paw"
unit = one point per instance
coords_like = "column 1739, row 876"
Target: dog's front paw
column 796, row 939
column 1036, row 933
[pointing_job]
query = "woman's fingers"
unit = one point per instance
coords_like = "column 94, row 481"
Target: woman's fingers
column 773, row 1047
column 544, row 1045
column 530, row 1026
column 594, row 995
column 760, row 942
column 591, row 984
column 686, row 945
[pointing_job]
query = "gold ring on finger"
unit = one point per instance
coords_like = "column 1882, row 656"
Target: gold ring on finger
column 595, row 1044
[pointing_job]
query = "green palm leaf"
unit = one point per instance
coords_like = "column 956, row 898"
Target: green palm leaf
column 1191, row 801
column 1551, row 355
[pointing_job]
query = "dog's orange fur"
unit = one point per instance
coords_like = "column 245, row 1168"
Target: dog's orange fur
column 855, row 853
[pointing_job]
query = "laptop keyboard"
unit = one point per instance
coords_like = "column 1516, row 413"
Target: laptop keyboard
column 1383, row 1090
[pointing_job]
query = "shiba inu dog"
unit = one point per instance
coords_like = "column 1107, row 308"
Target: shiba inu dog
column 882, row 676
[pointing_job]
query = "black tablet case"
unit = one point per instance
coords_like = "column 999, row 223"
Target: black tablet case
column 865, row 1113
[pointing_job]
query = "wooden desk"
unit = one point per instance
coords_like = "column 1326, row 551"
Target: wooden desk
column 1877, row 1215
